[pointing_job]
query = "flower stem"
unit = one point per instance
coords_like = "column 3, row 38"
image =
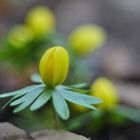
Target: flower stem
column 56, row 119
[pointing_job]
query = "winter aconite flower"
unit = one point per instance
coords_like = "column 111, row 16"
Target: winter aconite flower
column 53, row 70
column 54, row 66
column 87, row 38
column 20, row 36
column 104, row 89
column 41, row 20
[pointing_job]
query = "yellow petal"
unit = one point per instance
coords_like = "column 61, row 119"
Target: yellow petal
column 61, row 66
column 54, row 66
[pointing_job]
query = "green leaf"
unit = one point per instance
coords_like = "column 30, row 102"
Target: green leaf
column 26, row 96
column 91, row 116
column 129, row 113
column 81, row 85
column 36, row 78
column 41, row 100
column 20, row 100
column 21, row 94
column 75, row 123
column 77, row 97
column 60, row 105
column 83, row 91
column 29, row 99
column 84, row 104
column 23, row 90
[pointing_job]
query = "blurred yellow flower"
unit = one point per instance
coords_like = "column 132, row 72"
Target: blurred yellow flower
column 19, row 36
column 87, row 38
column 103, row 88
column 41, row 20
column 54, row 66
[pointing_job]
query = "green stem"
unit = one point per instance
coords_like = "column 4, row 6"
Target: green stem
column 56, row 118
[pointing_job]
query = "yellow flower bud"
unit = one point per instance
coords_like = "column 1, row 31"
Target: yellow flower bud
column 104, row 89
column 87, row 38
column 54, row 66
column 41, row 20
column 20, row 36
